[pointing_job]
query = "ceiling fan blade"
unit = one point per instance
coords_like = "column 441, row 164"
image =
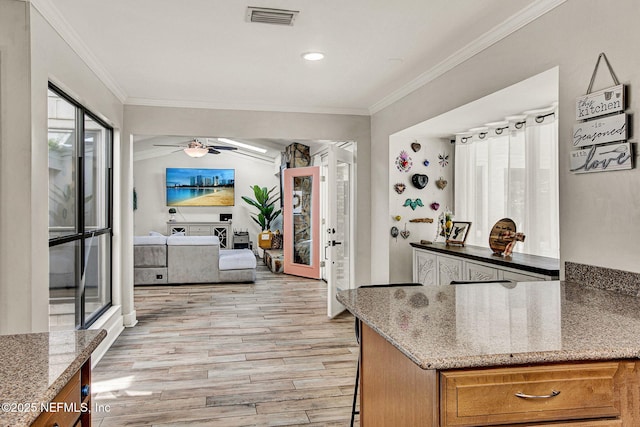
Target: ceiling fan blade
column 213, row 150
column 221, row 147
column 167, row 145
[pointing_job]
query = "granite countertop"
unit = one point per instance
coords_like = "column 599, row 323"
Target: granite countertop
column 496, row 324
column 35, row 367
column 532, row 263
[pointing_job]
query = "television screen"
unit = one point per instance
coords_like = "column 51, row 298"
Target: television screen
column 200, row 187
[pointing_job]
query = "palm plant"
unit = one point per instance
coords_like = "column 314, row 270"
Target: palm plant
column 265, row 203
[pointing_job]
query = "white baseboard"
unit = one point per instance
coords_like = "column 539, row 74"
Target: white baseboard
column 130, row 319
column 113, row 322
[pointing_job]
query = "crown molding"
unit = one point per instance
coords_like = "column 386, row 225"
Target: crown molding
column 499, row 32
column 244, row 107
column 53, row 16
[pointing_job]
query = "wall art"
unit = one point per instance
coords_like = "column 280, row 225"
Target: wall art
column 415, row 146
column 404, row 162
column 426, row 162
column 458, row 233
column 600, row 131
column 443, row 159
column 602, row 158
column 419, row 180
column 399, row 187
column 413, row 203
column 425, row 220
column 596, row 104
column 435, row 206
column 441, row 183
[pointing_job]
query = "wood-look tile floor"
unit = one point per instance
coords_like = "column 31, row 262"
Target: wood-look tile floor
column 262, row 354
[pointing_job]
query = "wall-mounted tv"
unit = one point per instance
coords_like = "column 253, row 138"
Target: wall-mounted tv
column 200, row 187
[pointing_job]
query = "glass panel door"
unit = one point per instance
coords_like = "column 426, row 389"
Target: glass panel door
column 301, row 221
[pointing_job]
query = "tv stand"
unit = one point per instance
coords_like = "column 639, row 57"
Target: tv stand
column 221, row 229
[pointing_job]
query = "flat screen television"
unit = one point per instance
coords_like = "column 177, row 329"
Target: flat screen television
column 200, row 187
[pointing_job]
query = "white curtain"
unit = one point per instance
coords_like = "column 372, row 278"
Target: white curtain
column 510, row 170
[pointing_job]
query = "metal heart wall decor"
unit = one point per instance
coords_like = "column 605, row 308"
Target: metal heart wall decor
column 435, row 206
column 441, row 183
column 419, row 180
column 399, row 187
column 405, row 233
column 413, row 203
column 415, row 147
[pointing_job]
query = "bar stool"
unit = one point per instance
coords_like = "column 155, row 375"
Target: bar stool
column 358, row 330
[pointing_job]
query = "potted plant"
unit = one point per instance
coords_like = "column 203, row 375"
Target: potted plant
column 265, row 203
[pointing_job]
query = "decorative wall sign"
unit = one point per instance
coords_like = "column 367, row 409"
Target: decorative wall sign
column 596, row 104
column 600, row 131
column 602, row 158
column 419, row 180
column 399, row 187
column 403, row 162
column 413, row 203
column 415, row 146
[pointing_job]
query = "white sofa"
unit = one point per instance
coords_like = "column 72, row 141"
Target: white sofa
column 190, row 259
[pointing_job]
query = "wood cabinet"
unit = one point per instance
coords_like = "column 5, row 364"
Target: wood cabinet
column 72, row 405
column 396, row 391
column 436, row 268
column 221, row 229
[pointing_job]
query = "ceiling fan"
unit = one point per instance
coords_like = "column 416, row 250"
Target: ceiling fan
column 195, row 148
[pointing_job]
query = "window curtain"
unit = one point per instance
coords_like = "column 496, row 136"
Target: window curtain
column 509, row 169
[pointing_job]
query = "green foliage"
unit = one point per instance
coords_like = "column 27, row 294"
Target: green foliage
column 264, row 201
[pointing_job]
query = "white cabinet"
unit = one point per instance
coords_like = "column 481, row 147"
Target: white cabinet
column 424, row 267
column 431, row 267
column 221, row 229
column 449, row 268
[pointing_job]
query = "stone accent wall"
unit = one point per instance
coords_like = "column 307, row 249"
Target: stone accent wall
column 623, row 282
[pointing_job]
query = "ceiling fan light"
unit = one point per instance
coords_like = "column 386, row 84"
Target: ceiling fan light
column 196, row 151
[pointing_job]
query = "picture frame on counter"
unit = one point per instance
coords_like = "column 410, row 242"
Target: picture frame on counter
column 459, row 233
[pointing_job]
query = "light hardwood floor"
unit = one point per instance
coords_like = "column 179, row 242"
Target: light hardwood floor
column 262, row 354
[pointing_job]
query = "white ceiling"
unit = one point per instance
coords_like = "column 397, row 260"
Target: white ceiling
column 204, row 53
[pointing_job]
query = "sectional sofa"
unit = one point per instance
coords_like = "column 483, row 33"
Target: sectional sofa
column 178, row 259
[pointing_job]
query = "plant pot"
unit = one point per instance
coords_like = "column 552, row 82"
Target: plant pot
column 264, row 239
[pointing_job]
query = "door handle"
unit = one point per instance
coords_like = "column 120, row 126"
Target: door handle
column 333, row 243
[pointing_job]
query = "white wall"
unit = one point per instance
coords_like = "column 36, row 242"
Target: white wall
column 600, row 212
column 31, row 53
column 149, row 179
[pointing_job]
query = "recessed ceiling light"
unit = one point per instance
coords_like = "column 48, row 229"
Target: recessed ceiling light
column 242, row 145
column 313, row 56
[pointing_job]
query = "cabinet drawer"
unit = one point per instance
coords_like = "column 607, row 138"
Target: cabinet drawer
column 69, row 396
column 488, row 397
column 199, row 230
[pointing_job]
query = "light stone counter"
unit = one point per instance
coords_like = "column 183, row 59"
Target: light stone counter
column 35, row 367
column 481, row 325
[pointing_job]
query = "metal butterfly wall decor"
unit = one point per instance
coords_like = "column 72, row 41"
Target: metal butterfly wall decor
column 413, row 203
column 443, row 159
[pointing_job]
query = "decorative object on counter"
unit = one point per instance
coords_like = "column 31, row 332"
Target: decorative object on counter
column 427, row 220
column 425, row 242
column 445, row 222
column 400, row 187
column 405, row 233
column 426, row 162
column 458, row 233
column 435, row 206
column 441, row 183
column 277, row 240
column 397, row 217
column 413, row 203
column 415, row 146
column 172, row 214
column 594, row 129
column 395, row 232
column 503, row 237
column 419, row 180
column 404, row 162
column 443, row 159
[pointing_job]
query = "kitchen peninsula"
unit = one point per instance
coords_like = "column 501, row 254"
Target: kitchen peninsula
column 49, row 370
column 496, row 354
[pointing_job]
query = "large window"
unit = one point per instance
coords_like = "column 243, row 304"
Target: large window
column 80, row 146
column 510, row 170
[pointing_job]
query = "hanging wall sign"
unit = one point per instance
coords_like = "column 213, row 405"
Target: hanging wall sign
column 601, row 130
column 596, row 104
column 602, row 158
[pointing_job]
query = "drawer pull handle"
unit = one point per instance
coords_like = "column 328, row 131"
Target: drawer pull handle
column 554, row 393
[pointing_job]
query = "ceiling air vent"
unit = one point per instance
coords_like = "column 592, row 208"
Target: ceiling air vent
column 271, row 16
